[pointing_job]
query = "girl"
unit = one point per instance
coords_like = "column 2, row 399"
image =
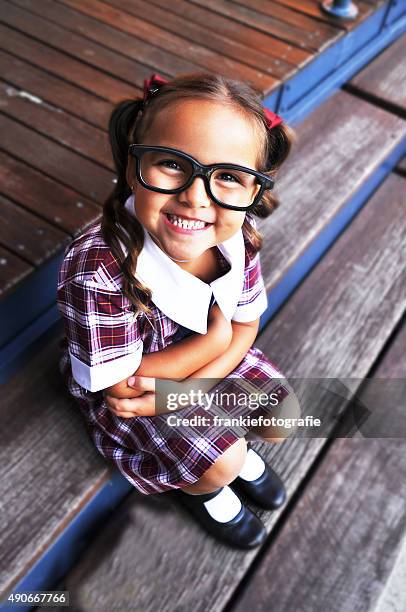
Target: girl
column 168, row 287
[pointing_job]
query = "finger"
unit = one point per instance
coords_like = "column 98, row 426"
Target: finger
column 146, row 405
column 137, row 406
column 142, row 383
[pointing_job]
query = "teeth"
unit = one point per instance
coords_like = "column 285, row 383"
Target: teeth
column 186, row 224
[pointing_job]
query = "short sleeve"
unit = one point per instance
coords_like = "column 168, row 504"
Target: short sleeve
column 253, row 300
column 102, row 331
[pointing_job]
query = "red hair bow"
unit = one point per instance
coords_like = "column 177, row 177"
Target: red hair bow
column 149, row 88
column 272, row 119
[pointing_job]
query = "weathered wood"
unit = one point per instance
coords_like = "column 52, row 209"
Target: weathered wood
column 13, row 269
column 28, row 236
column 322, row 32
column 47, row 199
column 205, row 35
column 334, row 154
column 344, row 536
column 383, row 80
column 48, row 88
column 57, row 124
column 313, row 9
column 129, row 46
column 350, row 301
column 222, row 19
column 75, row 171
column 341, row 540
column 149, row 535
column 61, row 65
column 282, row 49
column 176, row 44
column 74, row 45
column 49, row 468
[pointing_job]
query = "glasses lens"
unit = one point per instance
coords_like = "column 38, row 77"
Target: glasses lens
column 165, row 170
column 234, row 187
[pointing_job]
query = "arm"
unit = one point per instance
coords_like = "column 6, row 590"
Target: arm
column 181, row 359
column 243, row 337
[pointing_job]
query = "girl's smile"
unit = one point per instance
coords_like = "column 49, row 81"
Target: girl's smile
column 185, row 225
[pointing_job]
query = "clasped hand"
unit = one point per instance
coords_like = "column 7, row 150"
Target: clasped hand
column 143, row 402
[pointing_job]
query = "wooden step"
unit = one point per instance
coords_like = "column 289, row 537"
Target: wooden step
column 382, row 80
column 334, row 325
column 347, row 531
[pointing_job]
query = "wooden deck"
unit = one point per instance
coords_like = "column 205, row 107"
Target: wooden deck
column 334, row 266
column 64, row 64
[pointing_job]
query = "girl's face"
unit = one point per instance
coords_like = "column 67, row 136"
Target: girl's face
column 211, row 133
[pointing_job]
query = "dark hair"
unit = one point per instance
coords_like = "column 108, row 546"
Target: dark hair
column 130, row 121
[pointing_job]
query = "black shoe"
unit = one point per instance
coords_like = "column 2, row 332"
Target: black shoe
column 244, row 531
column 267, row 491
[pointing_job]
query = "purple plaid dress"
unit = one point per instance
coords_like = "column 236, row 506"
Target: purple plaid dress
column 105, row 340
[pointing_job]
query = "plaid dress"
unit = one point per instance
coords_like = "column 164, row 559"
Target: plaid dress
column 105, row 340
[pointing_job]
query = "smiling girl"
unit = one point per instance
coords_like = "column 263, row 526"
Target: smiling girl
column 168, row 287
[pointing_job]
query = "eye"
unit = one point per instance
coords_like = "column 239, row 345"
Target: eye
column 169, row 163
column 231, row 178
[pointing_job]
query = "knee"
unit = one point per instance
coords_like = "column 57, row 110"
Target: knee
column 226, row 467
column 288, row 410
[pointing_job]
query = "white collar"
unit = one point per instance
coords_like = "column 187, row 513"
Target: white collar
column 182, row 297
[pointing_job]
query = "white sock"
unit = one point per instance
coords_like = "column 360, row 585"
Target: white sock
column 254, row 466
column 224, row 506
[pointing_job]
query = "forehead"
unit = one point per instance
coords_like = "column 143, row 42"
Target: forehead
column 211, row 132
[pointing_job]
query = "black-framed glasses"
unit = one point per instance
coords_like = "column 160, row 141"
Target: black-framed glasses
column 168, row 170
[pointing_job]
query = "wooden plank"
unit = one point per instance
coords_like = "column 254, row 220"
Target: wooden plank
column 49, row 89
column 205, row 35
column 365, row 297
column 392, row 363
column 51, row 427
column 323, row 32
column 73, row 45
column 347, row 540
column 56, row 124
column 203, row 28
column 341, row 541
column 62, row 65
column 313, row 9
column 381, row 80
column 314, row 182
column 228, row 24
column 176, row 44
column 129, row 46
column 139, row 537
column 30, row 238
column 79, row 173
column 276, row 23
column 46, row 199
column 13, row 270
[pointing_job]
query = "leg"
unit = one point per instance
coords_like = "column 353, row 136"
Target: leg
column 223, row 471
column 288, row 409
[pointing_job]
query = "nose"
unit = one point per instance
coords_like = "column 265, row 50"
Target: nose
column 195, row 195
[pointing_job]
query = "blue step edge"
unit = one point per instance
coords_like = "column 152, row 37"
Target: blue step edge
column 353, row 64
column 49, row 570
column 72, row 542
